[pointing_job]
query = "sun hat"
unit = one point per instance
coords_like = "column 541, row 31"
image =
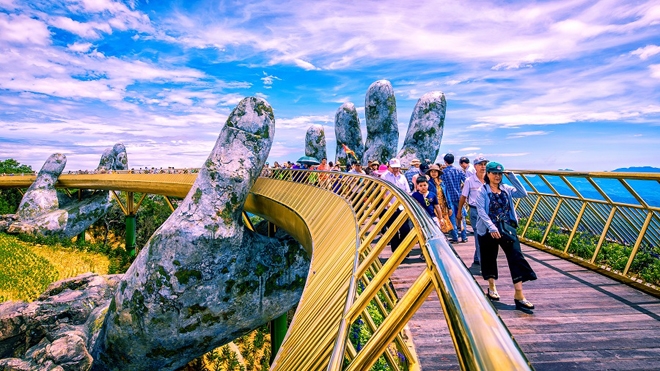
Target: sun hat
column 395, row 162
column 480, row 159
column 433, row 167
column 494, row 167
column 382, row 169
column 415, row 161
column 374, row 162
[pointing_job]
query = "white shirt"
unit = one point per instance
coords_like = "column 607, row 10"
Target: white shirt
column 471, row 189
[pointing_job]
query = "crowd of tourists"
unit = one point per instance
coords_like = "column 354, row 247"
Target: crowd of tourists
column 446, row 192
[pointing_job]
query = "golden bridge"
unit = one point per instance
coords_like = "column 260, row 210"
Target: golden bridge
column 596, row 252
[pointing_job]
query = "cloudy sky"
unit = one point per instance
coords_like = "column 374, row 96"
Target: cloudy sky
column 532, row 84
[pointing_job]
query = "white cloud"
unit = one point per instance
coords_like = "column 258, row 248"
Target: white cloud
column 303, row 122
column 646, row 52
column 86, row 30
column 24, row 30
column 524, row 134
column 467, row 149
column 268, row 80
column 655, row 70
column 80, row 47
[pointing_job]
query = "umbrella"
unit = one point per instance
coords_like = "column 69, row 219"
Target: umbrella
column 308, row 160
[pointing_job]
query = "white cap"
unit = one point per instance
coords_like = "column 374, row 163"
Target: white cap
column 395, row 162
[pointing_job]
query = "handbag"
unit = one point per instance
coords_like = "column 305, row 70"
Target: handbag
column 507, row 230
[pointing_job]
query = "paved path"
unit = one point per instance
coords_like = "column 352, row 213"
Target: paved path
column 582, row 320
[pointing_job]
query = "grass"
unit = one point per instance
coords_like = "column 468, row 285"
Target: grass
column 28, row 268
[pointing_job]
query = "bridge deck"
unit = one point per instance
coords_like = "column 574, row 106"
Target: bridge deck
column 583, row 320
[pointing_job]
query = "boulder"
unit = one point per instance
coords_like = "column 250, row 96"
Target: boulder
column 382, row 129
column 348, row 133
column 47, row 211
column 56, row 331
column 425, row 130
column 203, row 279
column 315, row 142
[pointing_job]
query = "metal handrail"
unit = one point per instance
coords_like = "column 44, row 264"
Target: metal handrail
column 481, row 339
column 632, row 228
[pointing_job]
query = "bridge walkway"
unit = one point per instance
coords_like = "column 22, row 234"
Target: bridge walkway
column 583, row 320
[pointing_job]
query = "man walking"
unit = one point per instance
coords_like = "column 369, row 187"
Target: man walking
column 394, row 176
column 469, row 194
column 453, row 179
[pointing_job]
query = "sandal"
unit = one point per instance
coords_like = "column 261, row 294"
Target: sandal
column 523, row 305
column 493, row 295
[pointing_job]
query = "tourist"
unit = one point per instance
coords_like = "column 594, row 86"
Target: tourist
column 411, row 172
column 373, row 167
column 356, row 168
column 396, row 178
column 471, row 188
column 423, row 168
column 437, row 186
column 496, row 227
column 324, row 166
column 468, row 169
column 428, row 200
column 453, row 179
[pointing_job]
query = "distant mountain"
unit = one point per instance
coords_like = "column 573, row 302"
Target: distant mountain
column 638, row 169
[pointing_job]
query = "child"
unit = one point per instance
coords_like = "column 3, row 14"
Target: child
column 428, row 200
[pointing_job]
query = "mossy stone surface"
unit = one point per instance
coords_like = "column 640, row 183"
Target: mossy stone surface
column 425, row 130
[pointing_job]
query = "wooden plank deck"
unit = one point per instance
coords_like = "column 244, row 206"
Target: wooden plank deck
column 582, row 320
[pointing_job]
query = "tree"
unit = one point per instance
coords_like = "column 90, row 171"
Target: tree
column 11, row 198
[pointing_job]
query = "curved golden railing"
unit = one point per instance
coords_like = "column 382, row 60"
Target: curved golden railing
column 606, row 221
column 338, row 217
column 481, row 339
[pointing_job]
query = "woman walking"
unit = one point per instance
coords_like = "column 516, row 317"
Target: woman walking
column 436, row 186
column 496, row 227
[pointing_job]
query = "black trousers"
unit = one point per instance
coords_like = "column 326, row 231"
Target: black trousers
column 401, row 233
column 518, row 266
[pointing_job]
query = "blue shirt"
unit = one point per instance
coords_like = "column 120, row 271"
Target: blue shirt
column 452, row 178
column 428, row 202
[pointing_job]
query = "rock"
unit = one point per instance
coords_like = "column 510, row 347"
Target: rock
column 424, row 134
column 56, row 331
column 46, row 211
column 41, row 196
column 114, row 158
column 203, row 279
column 347, row 132
column 315, row 142
column 382, row 129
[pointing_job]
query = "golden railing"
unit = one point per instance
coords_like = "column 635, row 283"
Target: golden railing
column 605, row 221
column 481, row 339
column 339, row 217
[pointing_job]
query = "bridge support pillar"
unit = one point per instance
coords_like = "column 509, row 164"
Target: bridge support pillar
column 278, row 328
column 130, row 234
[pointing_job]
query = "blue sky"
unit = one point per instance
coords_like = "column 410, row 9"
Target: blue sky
column 534, row 85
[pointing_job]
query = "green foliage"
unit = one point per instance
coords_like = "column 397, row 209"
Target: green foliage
column 11, row 198
column 645, row 265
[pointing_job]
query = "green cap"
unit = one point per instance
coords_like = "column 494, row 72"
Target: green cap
column 494, row 167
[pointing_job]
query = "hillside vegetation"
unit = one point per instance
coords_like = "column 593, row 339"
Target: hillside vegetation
column 28, row 268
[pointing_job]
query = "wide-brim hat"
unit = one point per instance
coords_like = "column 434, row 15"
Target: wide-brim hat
column 433, row 167
column 415, row 161
column 382, row 169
